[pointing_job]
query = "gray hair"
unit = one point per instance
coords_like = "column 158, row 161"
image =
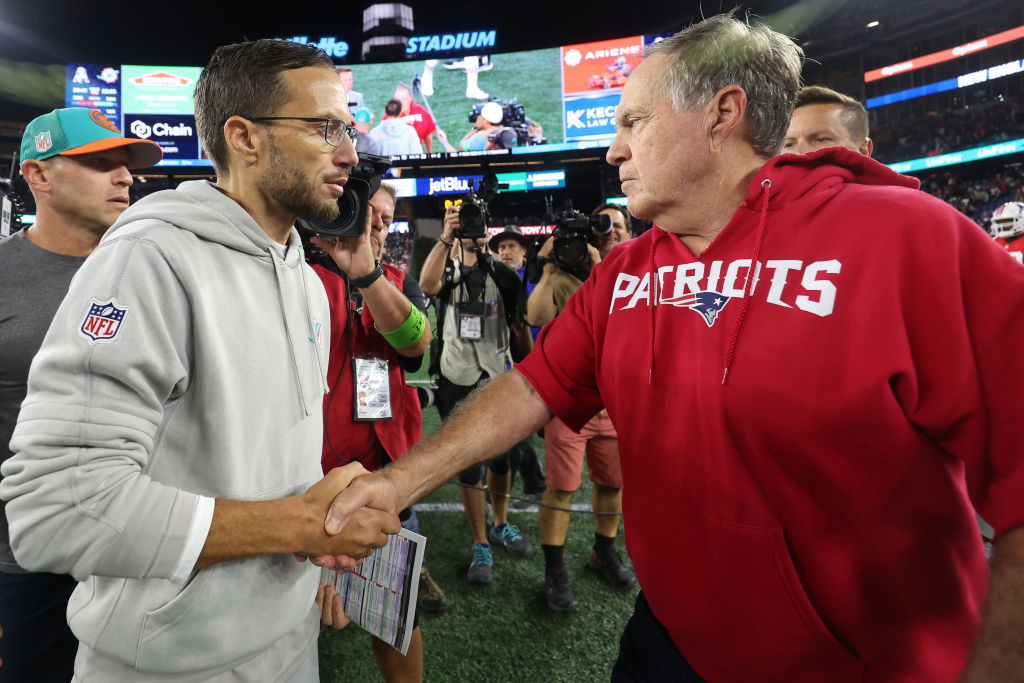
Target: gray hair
column 722, row 51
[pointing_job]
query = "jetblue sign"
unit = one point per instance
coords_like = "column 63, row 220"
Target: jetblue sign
column 450, row 41
column 331, row 45
column 446, row 185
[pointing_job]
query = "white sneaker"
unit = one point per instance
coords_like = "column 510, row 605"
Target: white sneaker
column 475, row 93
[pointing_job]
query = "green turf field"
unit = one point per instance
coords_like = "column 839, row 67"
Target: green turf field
column 532, row 76
column 502, row 631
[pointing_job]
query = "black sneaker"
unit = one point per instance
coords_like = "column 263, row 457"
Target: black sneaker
column 612, row 569
column 525, row 501
column 508, row 537
column 559, row 594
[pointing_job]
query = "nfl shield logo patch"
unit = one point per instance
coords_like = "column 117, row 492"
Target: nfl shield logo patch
column 103, row 321
column 43, row 141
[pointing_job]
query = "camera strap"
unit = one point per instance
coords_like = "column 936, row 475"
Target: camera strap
column 471, row 309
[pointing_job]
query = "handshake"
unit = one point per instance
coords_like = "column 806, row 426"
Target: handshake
column 350, row 513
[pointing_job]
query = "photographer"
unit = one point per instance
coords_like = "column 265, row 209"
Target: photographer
column 477, row 314
column 489, row 132
column 565, row 266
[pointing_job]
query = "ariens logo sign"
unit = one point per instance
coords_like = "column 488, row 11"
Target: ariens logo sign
column 450, row 41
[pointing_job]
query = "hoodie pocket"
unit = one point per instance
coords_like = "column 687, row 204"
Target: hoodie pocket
column 731, row 597
column 153, row 652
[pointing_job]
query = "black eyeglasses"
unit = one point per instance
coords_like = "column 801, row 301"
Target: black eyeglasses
column 333, row 128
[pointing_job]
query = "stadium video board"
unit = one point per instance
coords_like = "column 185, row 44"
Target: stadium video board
column 555, row 99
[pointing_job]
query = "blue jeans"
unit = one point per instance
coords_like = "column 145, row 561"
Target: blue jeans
column 37, row 644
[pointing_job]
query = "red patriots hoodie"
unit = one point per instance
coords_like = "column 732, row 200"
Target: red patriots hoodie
column 800, row 452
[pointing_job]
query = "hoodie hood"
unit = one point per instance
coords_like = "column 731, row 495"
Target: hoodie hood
column 199, row 207
column 784, row 180
column 394, row 128
column 794, row 176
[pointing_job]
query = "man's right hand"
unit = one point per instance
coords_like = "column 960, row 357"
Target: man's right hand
column 367, row 496
column 366, row 528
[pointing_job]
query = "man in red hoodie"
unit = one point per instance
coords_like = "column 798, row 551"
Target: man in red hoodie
column 803, row 363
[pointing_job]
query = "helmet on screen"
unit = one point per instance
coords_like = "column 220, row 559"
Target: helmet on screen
column 1008, row 220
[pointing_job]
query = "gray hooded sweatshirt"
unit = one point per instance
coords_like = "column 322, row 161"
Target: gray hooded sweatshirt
column 189, row 357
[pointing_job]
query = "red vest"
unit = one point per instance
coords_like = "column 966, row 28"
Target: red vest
column 352, row 335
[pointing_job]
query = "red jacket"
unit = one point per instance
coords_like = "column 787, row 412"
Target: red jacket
column 344, row 439
column 808, row 518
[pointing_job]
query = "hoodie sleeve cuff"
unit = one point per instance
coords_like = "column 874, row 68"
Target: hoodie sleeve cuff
column 195, row 539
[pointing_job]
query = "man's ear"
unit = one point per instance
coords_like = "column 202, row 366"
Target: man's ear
column 726, row 111
column 243, row 140
column 37, row 174
column 867, row 146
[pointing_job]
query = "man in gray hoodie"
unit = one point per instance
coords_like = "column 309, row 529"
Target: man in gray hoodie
column 394, row 135
column 168, row 452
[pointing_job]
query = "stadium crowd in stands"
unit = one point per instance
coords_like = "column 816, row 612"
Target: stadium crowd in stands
column 977, row 197
column 909, row 135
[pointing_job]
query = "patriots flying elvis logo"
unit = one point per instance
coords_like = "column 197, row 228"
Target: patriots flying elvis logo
column 708, row 304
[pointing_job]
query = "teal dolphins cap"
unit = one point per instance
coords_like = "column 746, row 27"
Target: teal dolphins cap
column 78, row 130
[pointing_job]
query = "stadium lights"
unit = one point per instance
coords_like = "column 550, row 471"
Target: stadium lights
column 872, row 24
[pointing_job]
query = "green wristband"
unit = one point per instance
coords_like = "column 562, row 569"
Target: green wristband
column 410, row 332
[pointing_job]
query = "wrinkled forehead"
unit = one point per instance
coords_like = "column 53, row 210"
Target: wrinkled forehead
column 509, row 244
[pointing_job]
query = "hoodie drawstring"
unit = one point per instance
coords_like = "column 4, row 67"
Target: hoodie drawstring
column 730, row 349
column 278, row 264
column 313, row 330
column 650, row 310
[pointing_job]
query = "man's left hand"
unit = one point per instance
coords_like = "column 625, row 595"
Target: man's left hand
column 328, row 603
column 353, row 255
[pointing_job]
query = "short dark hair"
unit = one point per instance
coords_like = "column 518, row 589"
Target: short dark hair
column 393, row 108
column 855, row 116
column 244, row 80
column 617, row 207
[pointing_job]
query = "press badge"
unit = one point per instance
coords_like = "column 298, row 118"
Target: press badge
column 471, row 319
column 372, row 388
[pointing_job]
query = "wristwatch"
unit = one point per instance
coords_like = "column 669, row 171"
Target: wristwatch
column 368, row 279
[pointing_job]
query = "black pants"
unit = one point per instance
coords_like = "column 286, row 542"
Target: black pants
column 37, row 645
column 525, row 460
column 647, row 653
column 448, row 396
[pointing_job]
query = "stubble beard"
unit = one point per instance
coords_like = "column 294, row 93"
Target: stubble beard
column 289, row 188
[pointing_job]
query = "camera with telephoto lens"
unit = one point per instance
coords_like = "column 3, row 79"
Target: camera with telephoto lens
column 514, row 127
column 473, row 211
column 363, row 182
column 574, row 232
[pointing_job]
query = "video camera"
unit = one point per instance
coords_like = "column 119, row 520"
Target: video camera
column 515, row 129
column 473, row 211
column 363, row 182
column 573, row 232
